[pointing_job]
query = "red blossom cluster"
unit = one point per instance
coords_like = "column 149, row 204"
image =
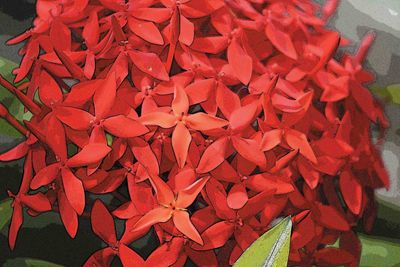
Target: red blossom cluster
column 217, row 116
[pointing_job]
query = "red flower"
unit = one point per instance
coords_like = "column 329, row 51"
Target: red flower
column 182, row 121
column 103, row 227
column 173, row 205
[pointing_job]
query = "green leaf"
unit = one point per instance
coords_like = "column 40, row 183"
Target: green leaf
column 5, row 212
column 271, row 249
column 379, row 252
column 109, row 139
column 10, row 101
column 394, row 91
column 390, row 93
column 27, row 262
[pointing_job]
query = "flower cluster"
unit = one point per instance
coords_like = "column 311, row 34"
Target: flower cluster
column 217, row 116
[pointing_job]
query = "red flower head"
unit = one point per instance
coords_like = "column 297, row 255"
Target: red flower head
column 203, row 120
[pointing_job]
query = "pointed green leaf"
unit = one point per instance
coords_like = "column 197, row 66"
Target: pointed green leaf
column 271, row 249
column 5, row 212
column 27, row 262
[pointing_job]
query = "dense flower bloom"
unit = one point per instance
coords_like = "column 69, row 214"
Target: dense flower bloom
column 217, row 116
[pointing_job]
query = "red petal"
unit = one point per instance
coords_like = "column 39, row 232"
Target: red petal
column 90, row 154
column 303, row 233
column 202, row 258
column 49, row 91
column 141, row 195
column 181, row 139
column 204, row 218
column 265, row 181
column 90, row 65
column 16, row 152
column 165, row 196
column 202, row 122
column 184, row 225
column 249, row 149
column 104, row 96
column 329, row 42
column 329, row 217
column 228, row 102
column 55, row 137
column 157, row 15
column 166, row 254
column 120, row 68
column 126, row 211
column 217, row 195
column 91, row 30
column 285, row 104
column 186, row 34
column 226, row 172
column 298, row 140
column 210, row 44
column 180, row 103
column 103, row 223
column 364, row 100
column 352, row 191
column 364, row 47
column 161, row 119
column 333, row 147
column 128, row 257
column 255, row 204
column 350, row 242
column 199, row 91
column 281, row 40
column 143, row 153
column 149, row 63
column 37, row 202
column 188, row 195
column 114, row 179
column 68, row 215
column 263, row 84
column 237, row 196
column 216, row 236
column 241, row 63
column 117, row 30
column 70, row 65
column 146, row 30
column 329, row 165
column 81, row 93
column 75, row 118
column 271, row 139
column 131, row 128
column 15, row 225
column 102, row 257
column 74, row 191
column 60, row 35
column 213, row 156
column 329, row 8
column 45, row 176
column 157, row 215
column 245, row 236
column 310, row 175
column 26, row 63
column 243, row 117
